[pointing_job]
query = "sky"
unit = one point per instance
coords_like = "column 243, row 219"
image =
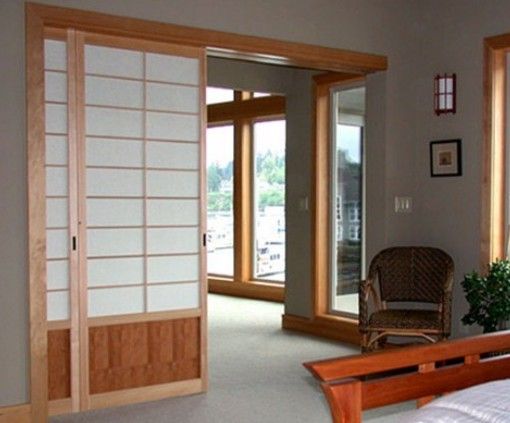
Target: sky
column 348, row 140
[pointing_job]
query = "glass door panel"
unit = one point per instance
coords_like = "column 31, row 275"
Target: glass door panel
column 347, row 202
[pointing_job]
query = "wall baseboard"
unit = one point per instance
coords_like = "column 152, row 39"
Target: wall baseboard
column 338, row 328
column 253, row 290
column 16, row 414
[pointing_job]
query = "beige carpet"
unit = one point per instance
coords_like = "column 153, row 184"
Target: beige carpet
column 255, row 374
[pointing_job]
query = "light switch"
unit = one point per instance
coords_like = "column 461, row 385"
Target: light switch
column 303, row 204
column 403, row 204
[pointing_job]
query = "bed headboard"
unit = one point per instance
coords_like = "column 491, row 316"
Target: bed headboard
column 360, row 382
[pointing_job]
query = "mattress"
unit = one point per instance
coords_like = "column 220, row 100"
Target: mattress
column 487, row 403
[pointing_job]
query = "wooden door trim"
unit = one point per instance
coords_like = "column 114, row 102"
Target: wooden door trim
column 322, row 320
column 493, row 187
column 36, row 179
column 219, row 43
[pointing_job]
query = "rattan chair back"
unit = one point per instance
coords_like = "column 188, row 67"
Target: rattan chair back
column 412, row 274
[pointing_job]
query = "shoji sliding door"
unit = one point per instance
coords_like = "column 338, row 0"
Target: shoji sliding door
column 125, row 220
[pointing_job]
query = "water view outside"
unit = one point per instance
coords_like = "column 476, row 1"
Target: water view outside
column 347, row 207
column 269, row 200
column 220, row 206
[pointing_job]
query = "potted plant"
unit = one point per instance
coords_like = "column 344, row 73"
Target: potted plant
column 489, row 297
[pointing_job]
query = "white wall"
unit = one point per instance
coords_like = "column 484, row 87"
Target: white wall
column 420, row 39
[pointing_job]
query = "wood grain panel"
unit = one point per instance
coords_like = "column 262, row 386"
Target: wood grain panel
column 143, row 354
column 59, row 364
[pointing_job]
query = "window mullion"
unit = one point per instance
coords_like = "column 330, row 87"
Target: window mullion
column 242, row 201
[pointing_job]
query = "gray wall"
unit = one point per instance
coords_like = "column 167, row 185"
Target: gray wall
column 420, row 39
column 13, row 221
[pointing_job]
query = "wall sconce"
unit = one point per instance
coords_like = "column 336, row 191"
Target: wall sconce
column 445, row 93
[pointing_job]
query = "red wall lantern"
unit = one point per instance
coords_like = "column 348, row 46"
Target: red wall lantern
column 445, row 87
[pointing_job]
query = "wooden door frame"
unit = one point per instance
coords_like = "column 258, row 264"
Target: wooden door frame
column 493, row 189
column 217, row 43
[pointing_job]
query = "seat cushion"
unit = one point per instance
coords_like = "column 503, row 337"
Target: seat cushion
column 406, row 319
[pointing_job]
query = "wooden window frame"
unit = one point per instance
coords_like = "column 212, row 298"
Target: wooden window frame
column 252, row 48
column 242, row 113
column 494, row 189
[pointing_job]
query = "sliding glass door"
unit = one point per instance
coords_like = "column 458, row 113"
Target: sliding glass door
column 347, row 197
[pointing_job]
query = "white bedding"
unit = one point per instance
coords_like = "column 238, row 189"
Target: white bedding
column 486, row 403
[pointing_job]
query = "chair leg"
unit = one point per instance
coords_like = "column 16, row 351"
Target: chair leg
column 364, row 342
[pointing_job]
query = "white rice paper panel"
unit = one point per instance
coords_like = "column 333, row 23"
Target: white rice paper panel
column 109, row 212
column 168, row 126
column 173, row 297
column 106, row 152
column 56, row 118
column 57, row 213
column 114, row 301
column 57, row 243
column 101, row 121
column 114, row 182
column 113, row 92
column 55, row 86
column 172, row 212
column 114, row 242
column 172, row 240
column 172, row 183
column 172, row 98
column 166, row 68
column 55, row 55
column 113, row 61
column 58, row 306
column 56, row 149
column 115, row 271
column 173, row 155
column 173, row 268
column 57, row 274
column 56, row 181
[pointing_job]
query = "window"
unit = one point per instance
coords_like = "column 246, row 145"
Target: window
column 246, row 187
column 216, row 95
column 354, row 212
column 220, row 205
column 269, row 200
column 258, row 95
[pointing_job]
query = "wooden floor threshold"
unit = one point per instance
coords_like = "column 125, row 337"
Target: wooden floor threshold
column 337, row 328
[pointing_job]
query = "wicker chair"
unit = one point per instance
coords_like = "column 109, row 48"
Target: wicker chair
column 406, row 275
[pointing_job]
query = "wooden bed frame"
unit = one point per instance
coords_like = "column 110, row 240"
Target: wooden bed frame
column 360, row 382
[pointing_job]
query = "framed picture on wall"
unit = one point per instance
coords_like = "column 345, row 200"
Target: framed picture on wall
column 446, row 158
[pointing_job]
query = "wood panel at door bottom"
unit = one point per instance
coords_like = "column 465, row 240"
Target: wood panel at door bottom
column 134, row 355
column 128, row 356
